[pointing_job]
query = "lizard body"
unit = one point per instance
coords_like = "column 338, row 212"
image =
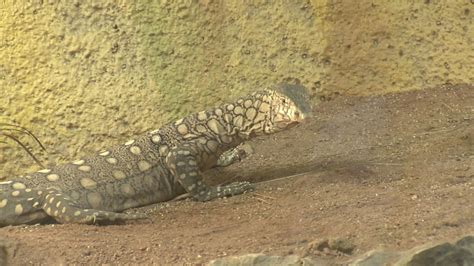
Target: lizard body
column 152, row 168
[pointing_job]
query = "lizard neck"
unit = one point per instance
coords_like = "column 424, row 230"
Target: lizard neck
column 221, row 128
column 249, row 116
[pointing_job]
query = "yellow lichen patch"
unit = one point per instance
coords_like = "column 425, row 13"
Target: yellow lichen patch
column 218, row 111
column 129, row 142
column 88, row 183
column 44, row 171
column 127, row 190
column 247, row 103
column 135, row 150
column 163, row 150
column 226, row 138
column 260, row 117
column 201, row 128
column 250, row 113
column 52, row 177
column 148, row 180
column 156, row 139
column 75, row 195
column 18, row 209
column 238, row 110
column 18, row 185
column 144, row 165
column 202, row 116
column 264, row 107
column 238, row 121
column 212, row 145
column 84, row 168
column 111, row 160
column 130, row 203
column 179, row 121
column 215, row 126
column 119, row 175
column 95, row 200
column 182, row 129
column 104, row 153
column 78, row 162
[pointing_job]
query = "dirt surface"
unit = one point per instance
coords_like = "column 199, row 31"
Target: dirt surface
column 394, row 170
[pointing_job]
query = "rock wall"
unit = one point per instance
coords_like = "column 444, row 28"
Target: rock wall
column 87, row 74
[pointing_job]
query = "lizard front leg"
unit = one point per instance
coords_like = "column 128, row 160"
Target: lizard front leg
column 234, row 155
column 184, row 161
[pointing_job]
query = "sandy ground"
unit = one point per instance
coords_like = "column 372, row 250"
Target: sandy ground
column 394, row 171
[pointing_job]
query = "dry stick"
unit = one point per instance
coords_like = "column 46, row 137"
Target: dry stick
column 285, row 177
column 187, row 195
column 263, row 196
column 24, row 147
column 376, row 163
column 449, row 107
column 23, row 130
column 262, row 200
column 455, row 127
column 181, row 197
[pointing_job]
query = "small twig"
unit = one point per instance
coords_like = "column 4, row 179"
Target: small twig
column 181, row 197
column 262, row 200
column 285, row 177
column 24, row 147
column 375, row 163
column 263, row 196
column 25, row 131
column 449, row 107
column 438, row 131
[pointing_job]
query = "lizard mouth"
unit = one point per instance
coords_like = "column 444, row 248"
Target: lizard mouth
column 292, row 124
column 287, row 124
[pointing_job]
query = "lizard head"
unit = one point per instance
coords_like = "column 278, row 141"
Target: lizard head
column 289, row 105
column 268, row 111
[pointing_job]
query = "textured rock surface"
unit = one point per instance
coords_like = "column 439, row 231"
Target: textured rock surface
column 263, row 260
column 7, row 250
column 458, row 253
column 332, row 247
column 84, row 74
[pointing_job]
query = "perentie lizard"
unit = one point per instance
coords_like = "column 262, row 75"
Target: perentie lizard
column 152, row 168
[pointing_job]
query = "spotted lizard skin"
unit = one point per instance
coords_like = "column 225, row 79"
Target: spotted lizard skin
column 152, row 168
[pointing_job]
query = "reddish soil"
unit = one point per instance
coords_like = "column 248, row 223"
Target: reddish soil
column 394, row 171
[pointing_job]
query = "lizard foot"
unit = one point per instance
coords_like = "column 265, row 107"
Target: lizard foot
column 236, row 188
